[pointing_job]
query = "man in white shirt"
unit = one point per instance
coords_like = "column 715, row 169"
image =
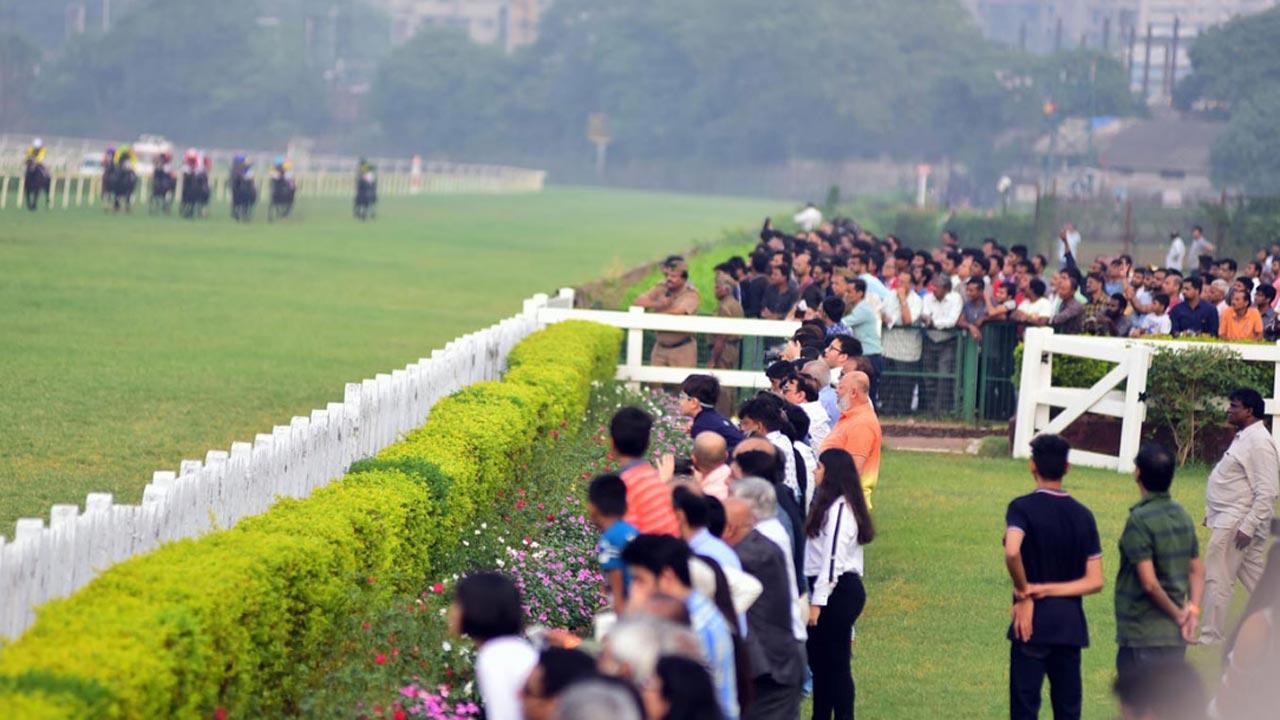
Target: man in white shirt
column 902, row 344
column 1072, row 238
column 1177, row 254
column 809, row 218
column 940, row 313
column 1239, row 505
column 1036, row 306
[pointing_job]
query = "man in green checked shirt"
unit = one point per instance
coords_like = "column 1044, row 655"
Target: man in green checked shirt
column 1161, row 578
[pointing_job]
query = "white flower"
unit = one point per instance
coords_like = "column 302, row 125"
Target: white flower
column 501, row 563
column 477, row 531
column 467, row 544
column 446, row 646
column 484, row 526
column 466, row 689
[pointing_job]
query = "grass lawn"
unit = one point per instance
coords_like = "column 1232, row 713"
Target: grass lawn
column 931, row 642
column 130, row 343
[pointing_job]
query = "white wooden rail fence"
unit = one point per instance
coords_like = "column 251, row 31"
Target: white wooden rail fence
column 1037, row 394
column 636, row 321
column 46, row 562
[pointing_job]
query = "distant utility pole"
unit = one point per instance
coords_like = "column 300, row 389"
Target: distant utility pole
column 1133, row 43
column 1057, row 37
column 106, row 16
column 1146, row 63
column 1106, row 35
column 1173, row 55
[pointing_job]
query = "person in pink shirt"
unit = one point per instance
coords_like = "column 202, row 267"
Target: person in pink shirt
column 710, row 453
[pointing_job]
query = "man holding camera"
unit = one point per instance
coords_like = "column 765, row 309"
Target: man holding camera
column 1239, row 505
column 675, row 296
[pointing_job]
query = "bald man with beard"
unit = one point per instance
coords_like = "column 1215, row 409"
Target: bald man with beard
column 857, row 432
column 777, row 657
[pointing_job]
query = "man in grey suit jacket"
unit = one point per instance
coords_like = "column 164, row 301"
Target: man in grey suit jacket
column 777, row 657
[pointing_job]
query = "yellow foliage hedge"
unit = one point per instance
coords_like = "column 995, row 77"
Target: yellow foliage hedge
column 239, row 619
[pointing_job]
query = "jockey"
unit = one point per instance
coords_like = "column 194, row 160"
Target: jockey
column 36, row 152
column 191, row 158
column 206, row 164
column 109, row 158
column 125, row 156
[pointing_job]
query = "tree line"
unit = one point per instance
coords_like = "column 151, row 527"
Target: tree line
column 729, row 82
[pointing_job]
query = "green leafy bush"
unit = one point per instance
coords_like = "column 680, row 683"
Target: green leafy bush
column 238, row 620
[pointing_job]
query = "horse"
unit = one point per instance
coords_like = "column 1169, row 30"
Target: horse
column 244, row 195
column 163, row 189
column 283, row 190
column 36, row 180
column 366, row 196
column 195, row 193
column 120, row 186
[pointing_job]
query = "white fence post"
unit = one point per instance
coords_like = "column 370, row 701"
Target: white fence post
column 1135, row 408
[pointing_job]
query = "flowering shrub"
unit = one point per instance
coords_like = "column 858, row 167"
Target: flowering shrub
column 535, row 531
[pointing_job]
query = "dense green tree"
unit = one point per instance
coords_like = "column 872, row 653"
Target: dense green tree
column 19, row 62
column 1236, row 72
column 442, row 93
column 232, row 71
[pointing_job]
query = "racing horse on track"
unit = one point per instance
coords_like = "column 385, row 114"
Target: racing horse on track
column 36, row 180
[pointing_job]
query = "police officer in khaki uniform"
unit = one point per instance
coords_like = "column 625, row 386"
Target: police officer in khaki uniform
column 675, row 296
column 726, row 349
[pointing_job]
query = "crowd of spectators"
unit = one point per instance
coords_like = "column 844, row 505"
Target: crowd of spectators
column 905, row 307
column 733, row 576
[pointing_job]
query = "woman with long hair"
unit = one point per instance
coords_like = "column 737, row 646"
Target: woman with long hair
column 838, row 525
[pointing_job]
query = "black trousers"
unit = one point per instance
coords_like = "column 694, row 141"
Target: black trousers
column 1130, row 658
column 773, row 701
column 1028, row 666
column 829, row 647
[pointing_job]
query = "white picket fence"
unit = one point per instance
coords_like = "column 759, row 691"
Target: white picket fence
column 46, row 562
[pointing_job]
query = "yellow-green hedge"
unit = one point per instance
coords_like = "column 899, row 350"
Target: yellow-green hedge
column 240, row 619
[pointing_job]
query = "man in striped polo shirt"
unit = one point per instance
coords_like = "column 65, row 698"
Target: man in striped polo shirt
column 1161, row 578
column 649, row 507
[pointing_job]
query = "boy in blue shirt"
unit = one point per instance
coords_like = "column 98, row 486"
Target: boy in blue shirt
column 606, row 504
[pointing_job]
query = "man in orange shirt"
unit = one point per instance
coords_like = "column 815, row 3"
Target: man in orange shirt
column 649, row 507
column 1241, row 321
column 858, row 429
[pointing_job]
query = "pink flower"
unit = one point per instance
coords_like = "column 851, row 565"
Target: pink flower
column 437, row 588
column 381, row 660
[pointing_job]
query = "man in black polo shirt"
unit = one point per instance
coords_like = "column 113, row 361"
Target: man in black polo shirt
column 698, row 396
column 1054, row 556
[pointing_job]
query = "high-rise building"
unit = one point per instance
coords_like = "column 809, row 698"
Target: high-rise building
column 1119, row 27
column 511, row 24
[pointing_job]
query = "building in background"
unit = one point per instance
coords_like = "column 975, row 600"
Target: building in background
column 511, row 24
column 1150, row 36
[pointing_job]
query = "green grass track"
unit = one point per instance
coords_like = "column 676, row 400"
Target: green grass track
column 128, row 343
